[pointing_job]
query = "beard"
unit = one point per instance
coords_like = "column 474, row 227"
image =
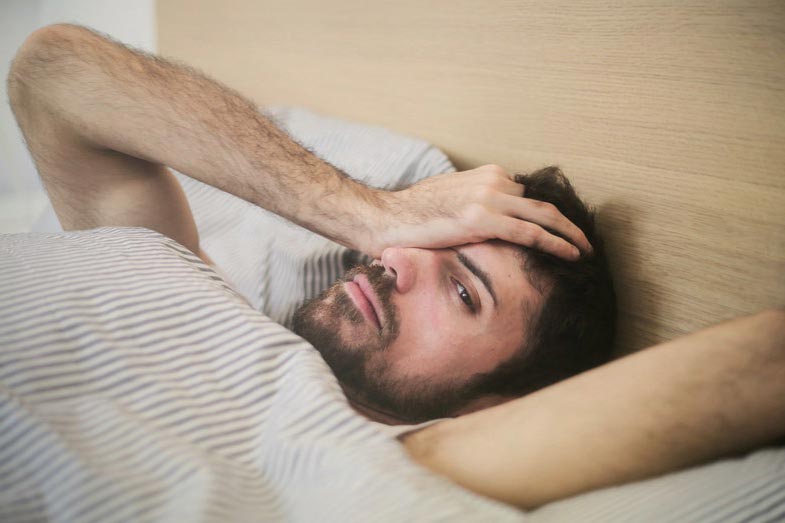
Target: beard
column 358, row 355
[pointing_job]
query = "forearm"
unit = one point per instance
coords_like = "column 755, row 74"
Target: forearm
column 699, row 397
column 167, row 114
column 116, row 100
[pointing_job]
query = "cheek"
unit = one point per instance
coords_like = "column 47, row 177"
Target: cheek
column 420, row 323
column 429, row 339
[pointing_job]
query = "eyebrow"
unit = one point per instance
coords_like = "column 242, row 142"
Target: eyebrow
column 481, row 275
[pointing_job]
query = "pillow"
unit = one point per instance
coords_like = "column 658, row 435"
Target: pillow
column 745, row 488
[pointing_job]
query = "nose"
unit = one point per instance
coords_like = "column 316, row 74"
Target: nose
column 398, row 262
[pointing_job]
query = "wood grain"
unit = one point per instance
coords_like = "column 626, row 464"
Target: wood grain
column 668, row 116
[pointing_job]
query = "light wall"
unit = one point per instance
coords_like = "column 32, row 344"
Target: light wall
column 22, row 197
column 669, row 115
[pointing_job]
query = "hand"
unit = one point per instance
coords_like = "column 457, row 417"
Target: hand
column 473, row 206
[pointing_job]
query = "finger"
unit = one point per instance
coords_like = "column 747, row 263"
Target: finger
column 498, row 178
column 546, row 215
column 518, row 179
column 513, row 188
column 533, row 236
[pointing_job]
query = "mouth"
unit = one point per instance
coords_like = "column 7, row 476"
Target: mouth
column 362, row 294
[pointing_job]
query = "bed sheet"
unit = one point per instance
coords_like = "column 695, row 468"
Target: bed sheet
column 139, row 384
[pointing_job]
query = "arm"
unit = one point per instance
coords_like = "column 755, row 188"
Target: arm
column 102, row 121
column 700, row 397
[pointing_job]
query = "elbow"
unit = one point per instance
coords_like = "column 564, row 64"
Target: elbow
column 772, row 331
column 774, row 318
column 38, row 59
column 777, row 312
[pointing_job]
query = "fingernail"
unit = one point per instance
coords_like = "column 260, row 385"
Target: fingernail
column 576, row 253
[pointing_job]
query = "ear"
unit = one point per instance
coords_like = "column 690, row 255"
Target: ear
column 483, row 402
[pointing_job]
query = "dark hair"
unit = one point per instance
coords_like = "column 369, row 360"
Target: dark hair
column 574, row 329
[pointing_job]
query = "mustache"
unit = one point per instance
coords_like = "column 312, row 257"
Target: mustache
column 383, row 285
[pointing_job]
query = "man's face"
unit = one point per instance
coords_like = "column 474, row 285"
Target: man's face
column 405, row 334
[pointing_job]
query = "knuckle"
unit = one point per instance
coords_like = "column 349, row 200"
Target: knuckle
column 551, row 211
column 500, row 182
column 493, row 169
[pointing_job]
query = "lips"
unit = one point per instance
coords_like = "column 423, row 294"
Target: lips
column 361, row 293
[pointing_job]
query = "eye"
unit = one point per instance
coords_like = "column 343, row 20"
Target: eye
column 464, row 295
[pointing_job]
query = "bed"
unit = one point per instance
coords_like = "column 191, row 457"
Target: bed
column 222, row 414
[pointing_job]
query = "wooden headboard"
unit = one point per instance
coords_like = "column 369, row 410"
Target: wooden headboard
column 668, row 116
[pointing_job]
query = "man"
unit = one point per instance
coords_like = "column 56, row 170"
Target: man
column 457, row 339
column 101, row 122
column 432, row 333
